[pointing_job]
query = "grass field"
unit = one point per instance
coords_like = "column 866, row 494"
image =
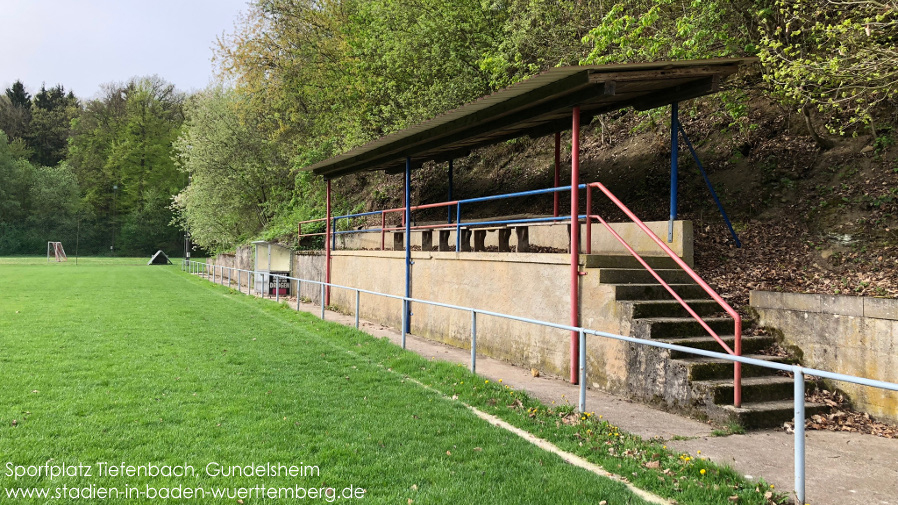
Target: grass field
column 111, row 361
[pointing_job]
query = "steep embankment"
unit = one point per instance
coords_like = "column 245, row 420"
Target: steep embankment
column 810, row 220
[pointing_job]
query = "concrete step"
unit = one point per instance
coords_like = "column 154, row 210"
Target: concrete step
column 669, row 308
column 679, row 327
column 700, row 368
column 625, row 261
column 766, row 388
column 750, row 345
column 642, row 276
column 760, row 415
column 626, row 292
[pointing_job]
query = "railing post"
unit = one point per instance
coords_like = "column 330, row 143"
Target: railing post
column 582, row 371
column 383, row 224
column 356, row 309
column 298, row 293
column 799, row 434
column 229, row 277
column 473, row 341
column 277, row 289
column 322, row 301
column 404, row 315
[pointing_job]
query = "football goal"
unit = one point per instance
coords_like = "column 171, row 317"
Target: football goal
column 55, row 249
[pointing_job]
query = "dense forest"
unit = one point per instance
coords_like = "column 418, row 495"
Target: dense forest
column 302, row 80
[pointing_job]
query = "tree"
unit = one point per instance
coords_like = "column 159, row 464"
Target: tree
column 237, row 177
column 37, row 203
column 52, row 112
column 838, row 57
column 15, row 111
column 124, row 140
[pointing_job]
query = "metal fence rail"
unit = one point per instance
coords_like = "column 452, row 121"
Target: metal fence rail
column 799, row 372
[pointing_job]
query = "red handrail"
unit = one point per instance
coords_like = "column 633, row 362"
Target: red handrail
column 299, row 228
column 737, row 372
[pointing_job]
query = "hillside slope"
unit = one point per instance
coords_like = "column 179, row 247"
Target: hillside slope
column 810, row 220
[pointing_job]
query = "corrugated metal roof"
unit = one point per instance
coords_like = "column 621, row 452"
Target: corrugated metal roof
column 537, row 106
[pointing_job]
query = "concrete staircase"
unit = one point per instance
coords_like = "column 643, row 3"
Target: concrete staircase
column 687, row 382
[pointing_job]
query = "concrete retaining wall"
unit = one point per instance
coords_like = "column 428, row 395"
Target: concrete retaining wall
column 531, row 285
column 528, row 285
column 845, row 334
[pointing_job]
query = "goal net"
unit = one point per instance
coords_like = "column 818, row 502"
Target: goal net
column 55, row 249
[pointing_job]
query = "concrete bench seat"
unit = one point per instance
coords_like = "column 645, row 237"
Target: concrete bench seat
column 477, row 232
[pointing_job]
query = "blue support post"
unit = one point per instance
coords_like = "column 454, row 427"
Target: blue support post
column 408, row 243
column 674, row 148
column 450, row 192
column 701, row 169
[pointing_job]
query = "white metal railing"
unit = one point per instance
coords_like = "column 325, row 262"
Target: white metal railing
column 799, row 372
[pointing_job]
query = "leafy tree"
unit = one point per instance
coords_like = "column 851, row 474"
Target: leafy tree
column 237, row 178
column 123, row 140
column 837, row 57
column 540, row 34
column 52, row 112
column 652, row 30
column 37, row 203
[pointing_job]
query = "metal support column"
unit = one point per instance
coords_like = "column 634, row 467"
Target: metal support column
column 450, row 192
column 701, row 169
column 327, row 248
column 799, row 435
column 408, row 244
column 674, row 150
column 575, row 241
column 557, row 196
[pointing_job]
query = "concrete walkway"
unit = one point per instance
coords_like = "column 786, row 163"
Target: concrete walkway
column 842, row 468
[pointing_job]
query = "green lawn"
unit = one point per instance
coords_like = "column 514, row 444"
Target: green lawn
column 111, row 361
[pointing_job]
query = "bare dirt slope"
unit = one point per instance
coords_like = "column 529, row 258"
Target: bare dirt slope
column 810, row 220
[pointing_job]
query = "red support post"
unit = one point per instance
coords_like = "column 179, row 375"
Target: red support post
column 557, row 172
column 575, row 244
column 327, row 247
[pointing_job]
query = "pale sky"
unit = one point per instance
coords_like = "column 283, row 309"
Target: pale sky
column 84, row 43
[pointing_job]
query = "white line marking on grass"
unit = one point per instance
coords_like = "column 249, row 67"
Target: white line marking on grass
column 573, row 459
column 543, row 444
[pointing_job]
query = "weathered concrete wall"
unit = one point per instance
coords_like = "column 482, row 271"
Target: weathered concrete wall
column 241, row 258
column 309, row 265
column 845, row 334
column 557, row 236
column 527, row 285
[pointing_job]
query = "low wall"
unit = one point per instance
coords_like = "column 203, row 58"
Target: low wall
column 557, row 236
column 528, row 285
column 844, row 334
column 241, row 258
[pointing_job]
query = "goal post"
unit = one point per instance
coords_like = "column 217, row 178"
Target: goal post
column 55, row 248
